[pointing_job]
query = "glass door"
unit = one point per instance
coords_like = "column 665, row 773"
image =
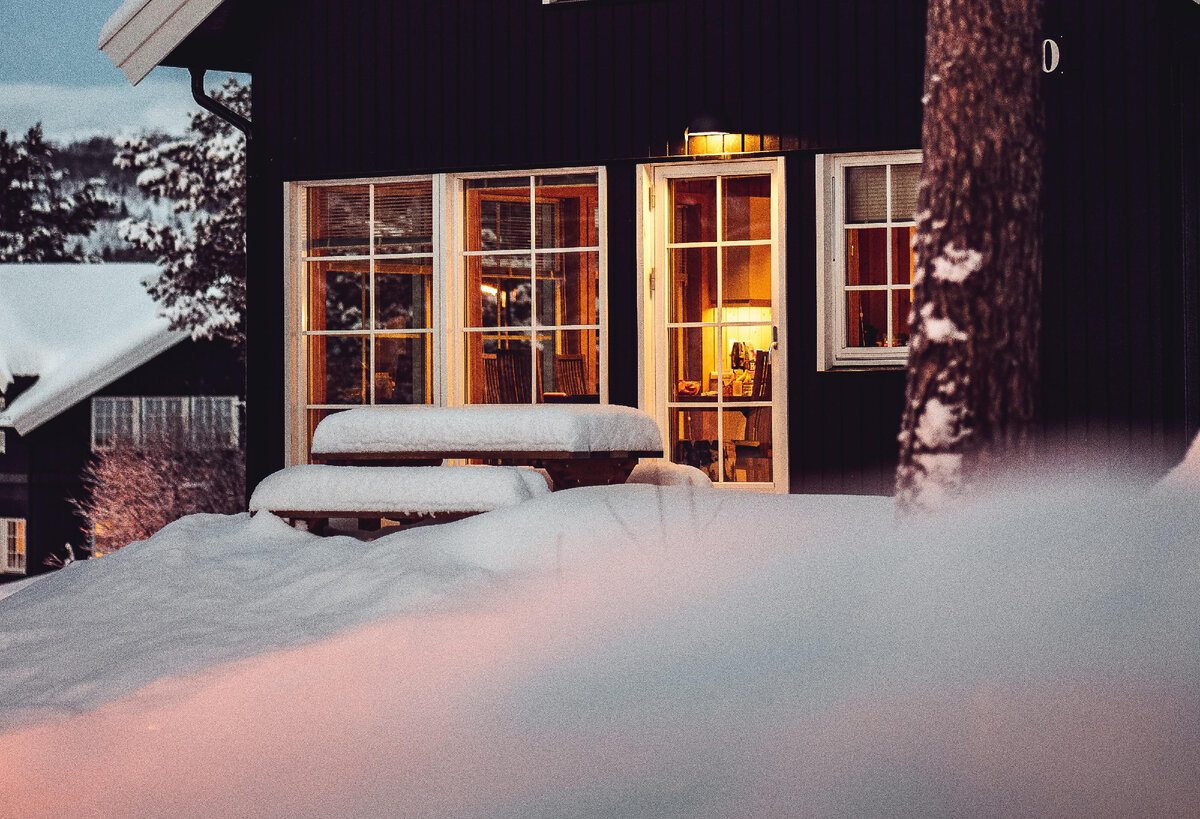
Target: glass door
column 718, row 303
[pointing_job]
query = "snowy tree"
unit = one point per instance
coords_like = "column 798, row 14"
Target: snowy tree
column 973, row 362
column 133, row 491
column 202, row 287
column 40, row 207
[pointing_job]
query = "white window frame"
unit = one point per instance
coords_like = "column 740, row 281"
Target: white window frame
column 653, row 295
column 832, row 352
column 17, row 565
column 137, row 407
column 448, row 323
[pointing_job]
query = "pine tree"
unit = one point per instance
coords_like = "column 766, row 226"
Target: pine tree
column 202, row 252
column 40, row 208
column 973, row 362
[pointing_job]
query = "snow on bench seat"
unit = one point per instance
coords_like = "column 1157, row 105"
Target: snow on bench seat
column 317, row 491
column 578, row 429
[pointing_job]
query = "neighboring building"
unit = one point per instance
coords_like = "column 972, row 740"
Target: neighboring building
column 69, row 332
column 447, row 195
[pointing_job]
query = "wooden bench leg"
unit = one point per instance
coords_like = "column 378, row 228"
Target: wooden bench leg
column 370, row 524
column 317, row 525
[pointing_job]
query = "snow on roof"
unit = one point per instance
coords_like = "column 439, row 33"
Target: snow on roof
column 415, row 490
column 141, row 33
column 488, row 427
column 77, row 327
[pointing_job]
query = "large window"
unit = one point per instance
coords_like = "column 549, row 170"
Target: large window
column 448, row 289
column 531, row 263
column 866, row 202
column 12, row 545
column 368, row 255
column 201, row 421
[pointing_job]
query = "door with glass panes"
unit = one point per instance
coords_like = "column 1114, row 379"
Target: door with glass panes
column 716, row 293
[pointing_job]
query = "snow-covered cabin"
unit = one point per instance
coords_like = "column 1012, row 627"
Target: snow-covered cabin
column 697, row 207
column 86, row 361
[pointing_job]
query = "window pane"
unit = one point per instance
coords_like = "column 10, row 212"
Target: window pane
column 866, row 318
column 337, row 370
column 403, row 294
column 568, row 288
column 569, row 365
column 901, row 307
column 162, row 419
column 746, row 208
column 905, row 181
column 499, row 291
column 866, row 194
column 404, row 369
column 337, row 295
column 747, row 445
column 696, row 371
column 696, row 441
column 866, row 256
column 746, row 275
column 337, row 221
column 694, row 210
column 693, row 284
column 404, row 217
column 499, row 368
column 902, row 255
column 498, row 215
column 567, row 210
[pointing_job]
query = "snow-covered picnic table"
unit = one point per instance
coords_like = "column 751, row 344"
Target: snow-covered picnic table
column 577, row 444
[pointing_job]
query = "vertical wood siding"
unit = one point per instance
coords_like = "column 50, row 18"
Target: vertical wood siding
column 370, row 88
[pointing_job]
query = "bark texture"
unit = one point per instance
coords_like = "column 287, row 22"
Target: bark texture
column 975, row 323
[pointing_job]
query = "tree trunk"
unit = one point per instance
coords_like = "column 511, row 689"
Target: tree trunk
column 976, row 318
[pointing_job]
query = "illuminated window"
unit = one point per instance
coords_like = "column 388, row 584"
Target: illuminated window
column 866, row 202
column 531, row 268
column 12, row 545
column 446, row 289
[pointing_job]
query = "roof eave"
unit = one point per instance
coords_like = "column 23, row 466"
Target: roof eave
column 25, row 420
column 142, row 33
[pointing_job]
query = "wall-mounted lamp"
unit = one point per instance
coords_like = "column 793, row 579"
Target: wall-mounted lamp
column 706, row 134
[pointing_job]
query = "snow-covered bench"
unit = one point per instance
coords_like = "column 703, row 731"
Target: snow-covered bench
column 316, row 493
column 577, row 444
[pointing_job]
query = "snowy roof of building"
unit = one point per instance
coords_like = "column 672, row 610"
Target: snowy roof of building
column 77, row 328
column 141, row 33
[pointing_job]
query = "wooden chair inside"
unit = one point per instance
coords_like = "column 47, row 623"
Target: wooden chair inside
column 514, row 376
column 568, row 375
column 491, row 379
column 762, row 375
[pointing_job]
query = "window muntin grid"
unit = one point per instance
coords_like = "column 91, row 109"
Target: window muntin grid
column 12, row 544
column 721, row 232
column 531, row 280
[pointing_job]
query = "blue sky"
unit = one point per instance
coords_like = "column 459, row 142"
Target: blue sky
column 52, row 72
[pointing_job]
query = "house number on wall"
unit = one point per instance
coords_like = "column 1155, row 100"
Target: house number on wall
column 1050, row 56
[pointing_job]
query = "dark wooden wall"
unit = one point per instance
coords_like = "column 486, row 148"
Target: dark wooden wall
column 366, row 88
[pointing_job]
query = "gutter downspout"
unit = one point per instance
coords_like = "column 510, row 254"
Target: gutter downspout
column 212, row 106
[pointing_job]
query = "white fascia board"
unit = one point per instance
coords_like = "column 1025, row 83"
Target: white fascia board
column 26, row 416
column 141, row 33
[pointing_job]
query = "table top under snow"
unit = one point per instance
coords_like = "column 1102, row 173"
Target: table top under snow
column 420, row 490
column 580, row 430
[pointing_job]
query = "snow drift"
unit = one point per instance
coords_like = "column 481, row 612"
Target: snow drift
column 624, row 651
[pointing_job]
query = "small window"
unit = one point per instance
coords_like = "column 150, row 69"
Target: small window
column 866, row 203
column 12, row 545
column 199, row 421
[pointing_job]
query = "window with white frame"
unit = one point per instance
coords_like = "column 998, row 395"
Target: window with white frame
column 447, row 289
column 12, row 545
column 866, row 204
column 202, row 421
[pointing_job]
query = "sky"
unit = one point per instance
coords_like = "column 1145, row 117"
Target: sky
column 52, row 72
